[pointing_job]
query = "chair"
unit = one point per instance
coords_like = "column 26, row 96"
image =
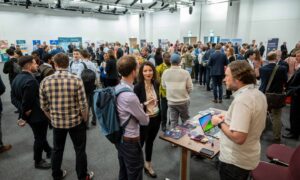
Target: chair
column 280, row 154
column 265, row 171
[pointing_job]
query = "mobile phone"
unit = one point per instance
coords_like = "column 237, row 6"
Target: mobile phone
column 206, row 152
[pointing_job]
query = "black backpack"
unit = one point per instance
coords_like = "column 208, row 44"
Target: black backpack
column 88, row 77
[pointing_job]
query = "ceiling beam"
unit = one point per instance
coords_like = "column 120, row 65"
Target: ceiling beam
column 133, row 2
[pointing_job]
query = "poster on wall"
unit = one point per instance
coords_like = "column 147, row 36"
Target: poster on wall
column 225, row 40
column 272, row 44
column 163, row 43
column 238, row 41
column 3, row 46
column 53, row 42
column 143, row 43
column 23, row 46
column 64, row 42
column 35, row 44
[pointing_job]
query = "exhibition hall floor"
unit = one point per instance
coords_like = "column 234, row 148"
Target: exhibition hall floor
column 102, row 157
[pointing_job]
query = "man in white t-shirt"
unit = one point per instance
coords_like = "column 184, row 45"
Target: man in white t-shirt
column 242, row 125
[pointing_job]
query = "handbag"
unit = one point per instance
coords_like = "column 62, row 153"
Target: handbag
column 275, row 100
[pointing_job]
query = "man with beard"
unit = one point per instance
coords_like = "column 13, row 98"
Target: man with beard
column 242, row 125
column 25, row 96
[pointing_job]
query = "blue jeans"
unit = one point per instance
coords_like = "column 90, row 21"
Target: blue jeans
column 232, row 172
column 217, row 87
column 208, row 77
column 189, row 69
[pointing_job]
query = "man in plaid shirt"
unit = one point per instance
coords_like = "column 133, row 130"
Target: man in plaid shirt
column 62, row 98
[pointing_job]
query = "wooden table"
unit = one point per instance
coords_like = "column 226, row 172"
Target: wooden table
column 188, row 145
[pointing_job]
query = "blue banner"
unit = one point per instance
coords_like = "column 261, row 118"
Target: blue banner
column 272, row 44
column 53, row 42
column 36, row 42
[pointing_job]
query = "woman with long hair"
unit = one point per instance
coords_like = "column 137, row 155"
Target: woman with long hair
column 231, row 57
column 158, row 56
column 112, row 78
column 147, row 90
column 258, row 63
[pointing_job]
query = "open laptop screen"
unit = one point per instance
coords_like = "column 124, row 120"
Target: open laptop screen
column 205, row 122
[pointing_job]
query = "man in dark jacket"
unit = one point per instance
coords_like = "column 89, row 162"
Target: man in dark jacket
column 11, row 67
column 3, row 147
column 261, row 49
column 25, row 96
column 276, row 86
column 206, row 57
column 217, row 63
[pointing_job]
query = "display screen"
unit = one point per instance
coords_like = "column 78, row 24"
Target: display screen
column 205, row 122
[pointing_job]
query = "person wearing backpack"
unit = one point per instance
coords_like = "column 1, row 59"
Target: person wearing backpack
column 89, row 76
column 11, row 67
column 46, row 68
column 3, row 147
column 68, row 115
column 147, row 90
column 76, row 66
column 130, row 111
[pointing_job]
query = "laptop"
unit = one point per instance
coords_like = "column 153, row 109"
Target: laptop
column 208, row 128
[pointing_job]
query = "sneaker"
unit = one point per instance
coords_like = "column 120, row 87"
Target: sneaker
column 90, row 175
column 220, row 101
column 43, row 165
column 4, row 148
column 215, row 101
column 64, row 174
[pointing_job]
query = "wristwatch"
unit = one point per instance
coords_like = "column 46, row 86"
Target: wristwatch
column 220, row 124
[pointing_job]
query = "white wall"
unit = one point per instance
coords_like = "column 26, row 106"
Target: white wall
column 33, row 24
column 276, row 19
column 189, row 22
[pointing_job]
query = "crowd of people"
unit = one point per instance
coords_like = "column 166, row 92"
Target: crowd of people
column 53, row 89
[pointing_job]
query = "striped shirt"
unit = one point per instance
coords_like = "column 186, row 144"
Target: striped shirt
column 62, row 95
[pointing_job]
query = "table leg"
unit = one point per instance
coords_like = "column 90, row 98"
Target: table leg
column 185, row 164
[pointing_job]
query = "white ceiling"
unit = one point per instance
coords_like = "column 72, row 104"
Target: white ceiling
column 107, row 6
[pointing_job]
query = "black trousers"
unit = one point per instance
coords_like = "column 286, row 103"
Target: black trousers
column 78, row 137
column 90, row 99
column 164, row 111
column 41, row 144
column 295, row 115
column 228, row 93
column 232, row 172
column 148, row 135
column 217, row 87
column 131, row 160
column 202, row 74
column 196, row 67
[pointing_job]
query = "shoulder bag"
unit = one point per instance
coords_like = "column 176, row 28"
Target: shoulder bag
column 275, row 100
